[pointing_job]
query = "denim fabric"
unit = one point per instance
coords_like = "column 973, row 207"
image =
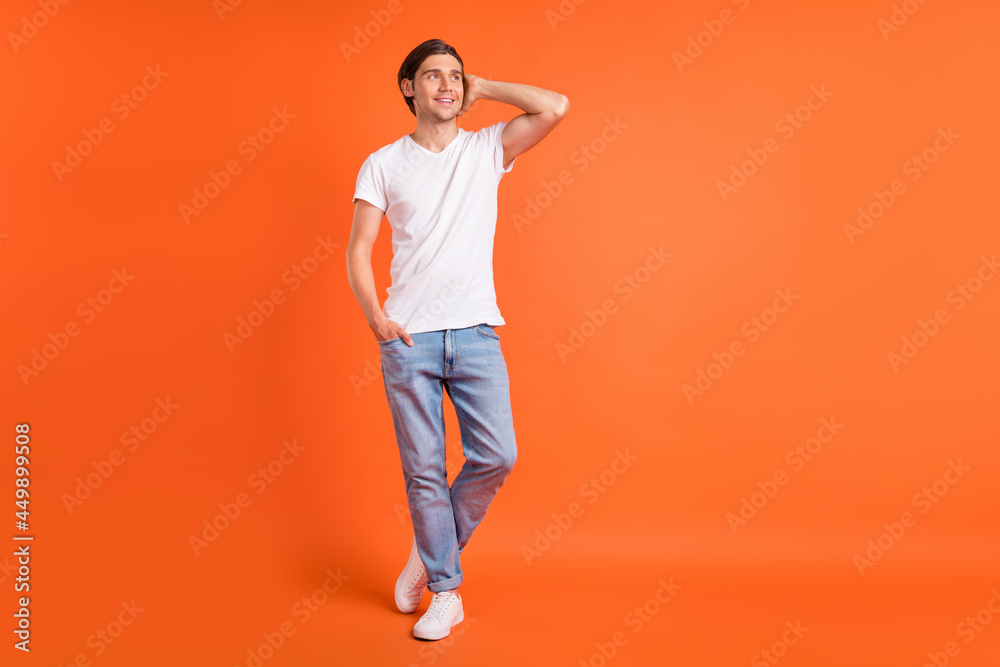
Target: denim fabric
column 468, row 364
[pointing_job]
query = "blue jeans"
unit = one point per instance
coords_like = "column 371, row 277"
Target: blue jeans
column 468, row 364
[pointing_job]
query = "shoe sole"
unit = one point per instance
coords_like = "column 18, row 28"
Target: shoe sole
column 423, row 634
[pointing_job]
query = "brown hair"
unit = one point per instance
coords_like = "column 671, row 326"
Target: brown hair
column 408, row 70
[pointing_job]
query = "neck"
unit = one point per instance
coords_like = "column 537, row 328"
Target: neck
column 435, row 135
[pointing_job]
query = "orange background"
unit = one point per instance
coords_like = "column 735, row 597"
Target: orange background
column 309, row 372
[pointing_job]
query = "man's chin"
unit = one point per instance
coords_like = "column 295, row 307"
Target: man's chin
column 442, row 115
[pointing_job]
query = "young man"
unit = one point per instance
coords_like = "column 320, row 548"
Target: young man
column 438, row 189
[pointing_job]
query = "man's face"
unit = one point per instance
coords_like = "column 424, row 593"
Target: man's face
column 438, row 79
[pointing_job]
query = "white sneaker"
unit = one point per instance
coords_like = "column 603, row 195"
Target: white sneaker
column 411, row 583
column 444, row 613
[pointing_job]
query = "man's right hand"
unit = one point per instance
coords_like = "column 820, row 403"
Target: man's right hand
column 387, row 330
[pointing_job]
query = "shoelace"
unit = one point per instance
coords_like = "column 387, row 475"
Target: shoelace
column 440, row 604
column 418, row 578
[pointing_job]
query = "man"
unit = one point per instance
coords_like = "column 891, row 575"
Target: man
column 438, row 187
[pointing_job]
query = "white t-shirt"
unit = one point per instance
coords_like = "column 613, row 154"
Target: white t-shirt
column 442, row 208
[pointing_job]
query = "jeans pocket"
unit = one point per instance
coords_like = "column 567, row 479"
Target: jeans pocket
column 487, row 330
column 384, row 343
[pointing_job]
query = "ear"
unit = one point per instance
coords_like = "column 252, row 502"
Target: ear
column 407, row 87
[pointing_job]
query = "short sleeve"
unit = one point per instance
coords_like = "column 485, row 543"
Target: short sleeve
column 498, row 148
column 370, row 185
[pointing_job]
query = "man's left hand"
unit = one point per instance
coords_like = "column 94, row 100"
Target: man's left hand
column 473, row 88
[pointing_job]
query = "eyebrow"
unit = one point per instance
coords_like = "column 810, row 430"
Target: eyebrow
column 428, row 71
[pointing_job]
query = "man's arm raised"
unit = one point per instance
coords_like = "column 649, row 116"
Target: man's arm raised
column 543, row 109
column 364, row 231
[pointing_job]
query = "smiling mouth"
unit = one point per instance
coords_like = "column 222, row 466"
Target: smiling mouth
column 446, row 101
